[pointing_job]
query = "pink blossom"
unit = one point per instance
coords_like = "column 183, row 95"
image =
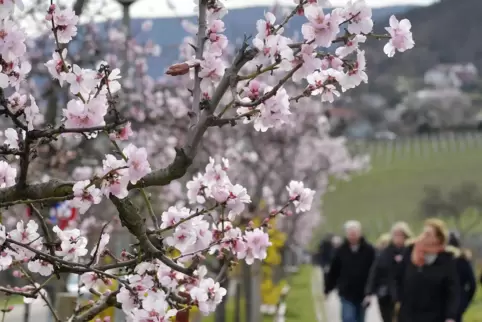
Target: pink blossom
column 356, row 73
column 80, row 115
column 7, row 7
column 257, row 242
column 174, row 215
column 208, row 295
column 401, row 36
column 238, row 198
column 274, row 112
column 85, row 195
column 302, row 197
column 309, row 62
column 55, row 66
column 137, row 162
column 254, row 89
column 123, row 133
column 81, row 80
column 321, row 28
column 42, row 267
column 17, row 102
column 92, row 281
column 7, row 175
column 212, row 68
column 12, row 42
column 359, row 16
column 182, row 238
column 32, row 114
column 4, row 80
column 116, row 177
column 12, row 139
column 350, row 46
column 265, row 27
column 195, row 190
column 65, row 23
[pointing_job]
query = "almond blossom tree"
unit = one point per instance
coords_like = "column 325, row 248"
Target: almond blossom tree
column 156, row 284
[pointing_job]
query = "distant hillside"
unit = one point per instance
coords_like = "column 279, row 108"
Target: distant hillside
column 445, row 32
column 168, row 32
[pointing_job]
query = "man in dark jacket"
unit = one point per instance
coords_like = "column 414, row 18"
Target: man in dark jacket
column 349, row 272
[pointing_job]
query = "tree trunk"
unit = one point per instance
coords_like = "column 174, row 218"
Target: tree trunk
column 252, row 294
column 26, row 313
column 220, row 313
column 237, row 302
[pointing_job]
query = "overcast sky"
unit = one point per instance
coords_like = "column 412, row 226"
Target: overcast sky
column 160, row 8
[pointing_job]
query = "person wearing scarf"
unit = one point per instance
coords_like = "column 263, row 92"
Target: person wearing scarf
column 428, row 288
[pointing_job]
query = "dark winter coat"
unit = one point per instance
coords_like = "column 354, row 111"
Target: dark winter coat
column 429, row 293
column 326, row 253
column 349, row 271
column 467, row 282
column 381, row 281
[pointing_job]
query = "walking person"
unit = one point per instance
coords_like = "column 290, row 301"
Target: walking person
column 349, row 272
column 427, row 284
column 382, row 242
column 382, row 280
column 465, row 273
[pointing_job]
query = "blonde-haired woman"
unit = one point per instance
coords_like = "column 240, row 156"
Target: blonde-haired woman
column 382, row 242
column 427, row 283
column 382, row 281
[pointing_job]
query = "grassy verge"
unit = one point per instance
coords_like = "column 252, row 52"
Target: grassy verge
column 474, row 313
column 11, row 300
column 299, row 301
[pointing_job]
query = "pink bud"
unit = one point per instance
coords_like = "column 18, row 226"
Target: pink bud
column 17, row 273
column 107, row 319
column 91, row 302
column 52, row 7
column 266, row 220
column 98, row 320
column 178, row 69
column 251, row 223
column 108, row 282
column 288, row 213
column 48, row 16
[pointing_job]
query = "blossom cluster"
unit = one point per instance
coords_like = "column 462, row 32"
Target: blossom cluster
column 158, row 287
column 327, row 75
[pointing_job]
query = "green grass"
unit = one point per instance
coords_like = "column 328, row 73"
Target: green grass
column 394, row 186
column 474, row 313
column 299, row 301
column 11, row 300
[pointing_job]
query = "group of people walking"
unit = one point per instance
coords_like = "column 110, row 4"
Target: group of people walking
column 428, row 278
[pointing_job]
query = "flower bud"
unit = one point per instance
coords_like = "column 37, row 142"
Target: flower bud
column 178, row 69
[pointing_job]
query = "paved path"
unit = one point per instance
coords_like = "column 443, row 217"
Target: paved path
column 328, row 309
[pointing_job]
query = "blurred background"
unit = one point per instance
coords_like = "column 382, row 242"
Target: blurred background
column 419, row 118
